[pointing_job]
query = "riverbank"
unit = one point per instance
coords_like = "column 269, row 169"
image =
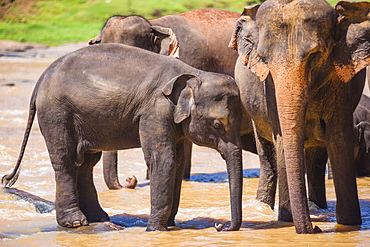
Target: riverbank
column 10, row 48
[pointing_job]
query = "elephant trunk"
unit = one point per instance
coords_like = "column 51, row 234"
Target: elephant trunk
column 291, row 97
column 232, row 154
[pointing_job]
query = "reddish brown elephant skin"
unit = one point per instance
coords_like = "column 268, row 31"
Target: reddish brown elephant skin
column 301, row 72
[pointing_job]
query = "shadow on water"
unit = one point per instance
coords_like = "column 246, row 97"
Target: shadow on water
column 218, row 177
column 121, row 221
column 221, row 177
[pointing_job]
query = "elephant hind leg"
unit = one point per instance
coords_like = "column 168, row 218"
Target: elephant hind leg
column 67, row 208
column 87, row 195
column 181, row 148
column 267, row 182
column 62, row 152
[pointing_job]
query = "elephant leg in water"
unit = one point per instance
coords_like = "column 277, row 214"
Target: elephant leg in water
column 301, row 84
column 110, row 168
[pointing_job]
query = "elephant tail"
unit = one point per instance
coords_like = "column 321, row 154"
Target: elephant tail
column 10, row 179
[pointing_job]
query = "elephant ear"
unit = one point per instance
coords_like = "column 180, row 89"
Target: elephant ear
column 352, row 52
column 180, row 91
column 363, row 129
column 96, row 40
column 166, row 41
column 245, row 41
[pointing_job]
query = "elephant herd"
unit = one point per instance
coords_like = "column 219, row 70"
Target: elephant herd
column 283, row 80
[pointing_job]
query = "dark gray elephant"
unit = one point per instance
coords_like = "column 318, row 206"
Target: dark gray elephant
column 361, row 129
column 301, row 75
column 199, row 38
column 361, row 119
column 137, row 99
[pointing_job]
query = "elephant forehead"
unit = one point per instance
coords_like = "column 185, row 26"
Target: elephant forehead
column 280, row 13
column 216, row 87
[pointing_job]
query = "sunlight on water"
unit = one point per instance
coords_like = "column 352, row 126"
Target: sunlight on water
column 204, row 199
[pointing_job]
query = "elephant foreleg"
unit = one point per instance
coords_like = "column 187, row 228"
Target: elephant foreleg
column 268, row 173
column 160, row 155
column 285, row 211
column 316, row 158
column 180, row 166
column 340, row 150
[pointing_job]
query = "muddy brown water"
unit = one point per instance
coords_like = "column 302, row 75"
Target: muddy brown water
column 204, row 199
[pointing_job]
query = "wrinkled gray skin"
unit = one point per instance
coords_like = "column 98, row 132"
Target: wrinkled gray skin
column 137, row 99
column 202, row 36
column 301, row 75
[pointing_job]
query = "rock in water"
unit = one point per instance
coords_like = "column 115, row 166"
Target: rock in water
column 41, row 205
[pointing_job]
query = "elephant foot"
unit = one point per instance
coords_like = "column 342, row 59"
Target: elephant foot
column 285, row 215
column 171, row 222
column 72, row 220
column 98, row 215
column 93, row 211
column 219, row 227
column 268, row 200
column 151, row 228
column 131, row 182
column 99, row 218
column 355, row 221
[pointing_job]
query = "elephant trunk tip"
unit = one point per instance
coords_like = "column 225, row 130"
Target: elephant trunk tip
column 219, row 226
column 9, row 180
column 131, row 182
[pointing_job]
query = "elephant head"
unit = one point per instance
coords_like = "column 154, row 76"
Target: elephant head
column 302, row 45
column 137, row 31
column 208, row 109
column 362, row 146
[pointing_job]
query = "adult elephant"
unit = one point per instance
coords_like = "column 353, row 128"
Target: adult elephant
column 301, row 74
column 202, row 37
column 153, row 102
column 199, row 38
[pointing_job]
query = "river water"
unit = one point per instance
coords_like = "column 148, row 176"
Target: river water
column 204, row 199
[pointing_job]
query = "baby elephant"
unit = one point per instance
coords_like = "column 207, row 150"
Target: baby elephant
column 113, row 97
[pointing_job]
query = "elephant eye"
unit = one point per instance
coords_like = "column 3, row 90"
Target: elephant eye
column 219, row 98
column 217, row 124
column 248, row 40
column 314, row 58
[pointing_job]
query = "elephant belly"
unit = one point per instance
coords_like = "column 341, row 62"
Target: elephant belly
column 116, row 139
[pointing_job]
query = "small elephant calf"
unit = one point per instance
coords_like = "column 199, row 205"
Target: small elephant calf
column 113, row 97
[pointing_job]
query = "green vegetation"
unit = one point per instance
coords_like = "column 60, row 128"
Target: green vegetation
column 55, row 22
